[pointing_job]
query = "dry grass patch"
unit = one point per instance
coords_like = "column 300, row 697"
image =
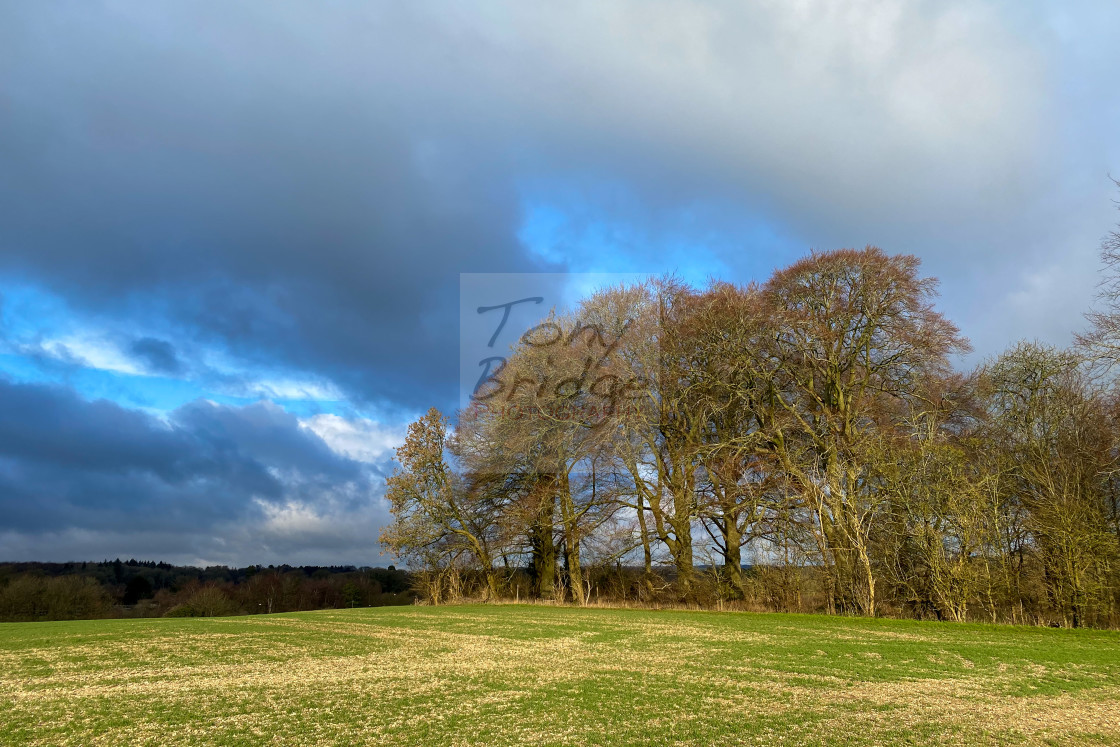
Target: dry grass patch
column 550, row 675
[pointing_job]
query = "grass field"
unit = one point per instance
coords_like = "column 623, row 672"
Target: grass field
column 538, row 675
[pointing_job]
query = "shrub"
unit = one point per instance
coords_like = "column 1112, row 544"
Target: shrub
column 208, row 601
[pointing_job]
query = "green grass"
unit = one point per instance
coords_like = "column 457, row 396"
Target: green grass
column 538, row 675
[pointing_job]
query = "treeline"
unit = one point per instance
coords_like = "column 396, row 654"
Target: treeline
column 648, row 444
column 71, row 591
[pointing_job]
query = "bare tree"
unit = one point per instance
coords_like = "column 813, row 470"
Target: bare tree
column 812, row 423
column 1052, row 422
column 435, row 521
column 853, row 328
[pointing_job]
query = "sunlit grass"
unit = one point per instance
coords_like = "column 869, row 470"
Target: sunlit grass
column 551, row 675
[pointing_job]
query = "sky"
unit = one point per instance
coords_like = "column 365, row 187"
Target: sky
column 232, row 234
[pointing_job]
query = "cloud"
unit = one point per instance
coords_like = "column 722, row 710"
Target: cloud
column 303, row 187
column 214, row 475
column 55, row 343
column 360, row 439
column 87, row 351
column 157, row 355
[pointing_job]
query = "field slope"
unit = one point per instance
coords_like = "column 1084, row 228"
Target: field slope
column 545, row 675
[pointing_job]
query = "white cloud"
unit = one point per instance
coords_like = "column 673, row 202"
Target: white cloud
column 328, row 528
column 359, row 438
column 293, row 519
column 89, row 350
column 299, row 389
column 103, row 350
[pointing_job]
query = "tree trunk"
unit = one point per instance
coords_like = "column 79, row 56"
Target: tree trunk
column 733, row 553
column 542, row 569
column 571, row 542
column 684, row 510
column 682, row 554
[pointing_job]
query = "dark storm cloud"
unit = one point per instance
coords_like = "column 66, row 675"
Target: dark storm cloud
column 303, row 185
column 245, row 186
column 157, row 355
column 66, row 463
column 53, row 428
